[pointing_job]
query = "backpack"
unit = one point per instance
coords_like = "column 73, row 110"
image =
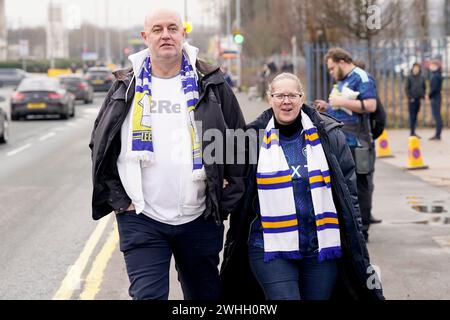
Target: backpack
column 377, row 120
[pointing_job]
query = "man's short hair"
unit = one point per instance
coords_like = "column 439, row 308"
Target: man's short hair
column 435, row 62
column 338, row 54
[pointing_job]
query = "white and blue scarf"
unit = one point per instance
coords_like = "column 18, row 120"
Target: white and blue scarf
column 142, row 138
column 276, row 197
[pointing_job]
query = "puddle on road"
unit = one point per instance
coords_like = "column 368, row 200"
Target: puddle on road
column 429, row 209
column 434, row 207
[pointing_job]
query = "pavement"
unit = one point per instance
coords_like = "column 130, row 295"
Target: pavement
column 436, row 154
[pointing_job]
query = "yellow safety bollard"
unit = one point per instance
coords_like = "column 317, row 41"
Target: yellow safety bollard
column 382, row 147
column 415, row 159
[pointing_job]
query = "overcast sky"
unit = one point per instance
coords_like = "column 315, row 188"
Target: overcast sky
column 122, row 13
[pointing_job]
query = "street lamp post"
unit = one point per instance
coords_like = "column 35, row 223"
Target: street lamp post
column 108, row 35
column 239, row 45
column 229, row 36
column 294, row 54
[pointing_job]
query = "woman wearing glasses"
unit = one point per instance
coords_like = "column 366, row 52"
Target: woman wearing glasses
column 298, row 234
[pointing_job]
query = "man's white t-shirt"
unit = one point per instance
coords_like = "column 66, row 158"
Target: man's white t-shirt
column 171, row 195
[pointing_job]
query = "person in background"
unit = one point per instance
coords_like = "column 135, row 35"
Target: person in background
column 435, row 97
column 227, row 76
column 287, row 67
column 272, row 67
column 351, row 101
column 361, row 64
column 73, row 68
column 415, row 91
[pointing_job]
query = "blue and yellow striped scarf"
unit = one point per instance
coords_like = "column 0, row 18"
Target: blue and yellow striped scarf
column 276, row 197
column 142, row 138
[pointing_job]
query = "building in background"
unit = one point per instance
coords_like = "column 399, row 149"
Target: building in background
column 3, row 42
column 57, row 37
column 437, row 18
column 430, row 16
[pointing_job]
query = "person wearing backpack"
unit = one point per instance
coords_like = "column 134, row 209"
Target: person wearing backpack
column 377, row 121
column 351, row 101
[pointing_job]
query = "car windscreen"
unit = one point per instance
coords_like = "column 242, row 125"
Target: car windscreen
column 38, row 85
column 70, row 81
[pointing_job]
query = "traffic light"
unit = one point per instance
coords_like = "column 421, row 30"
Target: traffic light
column 238, row 37
column 188, row 27
column 126, row 51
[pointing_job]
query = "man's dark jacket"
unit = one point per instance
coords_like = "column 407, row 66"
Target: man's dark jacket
column 217, row 109
column 357, row 279
column 435, row 84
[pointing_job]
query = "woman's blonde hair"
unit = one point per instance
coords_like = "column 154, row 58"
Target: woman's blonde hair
column 282, row 76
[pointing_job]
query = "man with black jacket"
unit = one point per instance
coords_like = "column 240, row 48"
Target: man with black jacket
column 149, row 167
column 435, row 97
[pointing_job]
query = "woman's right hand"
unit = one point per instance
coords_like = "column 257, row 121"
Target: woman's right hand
column 320, row 105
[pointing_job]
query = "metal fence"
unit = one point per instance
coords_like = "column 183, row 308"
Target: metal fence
column 389, row 62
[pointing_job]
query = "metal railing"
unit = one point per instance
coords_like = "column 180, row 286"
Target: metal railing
column 389, row 62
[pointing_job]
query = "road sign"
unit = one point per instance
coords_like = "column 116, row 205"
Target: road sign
column 229, row 54
column 23, row 48
column 88, row 56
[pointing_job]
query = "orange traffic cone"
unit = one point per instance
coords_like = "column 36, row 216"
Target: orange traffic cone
column 415, row 160
column 382, row 147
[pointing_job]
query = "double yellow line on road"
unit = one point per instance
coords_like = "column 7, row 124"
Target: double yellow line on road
column 73, row 280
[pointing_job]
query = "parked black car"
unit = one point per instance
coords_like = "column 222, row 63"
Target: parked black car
column 100, row 78
column 79, row 87
column 4, row 124
column 11, row 76
column 42, row 96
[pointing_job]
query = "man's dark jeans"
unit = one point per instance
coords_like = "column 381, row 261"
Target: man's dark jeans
column 148, row 246
column 436, row 109
column 306, row 279
column 364, row 183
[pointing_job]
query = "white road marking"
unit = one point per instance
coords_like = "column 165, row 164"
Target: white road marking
column 95, row 277
column 73, row 279
column 47, row 136
column 16, row 151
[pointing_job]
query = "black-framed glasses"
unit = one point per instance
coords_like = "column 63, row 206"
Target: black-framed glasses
column 293, row 97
